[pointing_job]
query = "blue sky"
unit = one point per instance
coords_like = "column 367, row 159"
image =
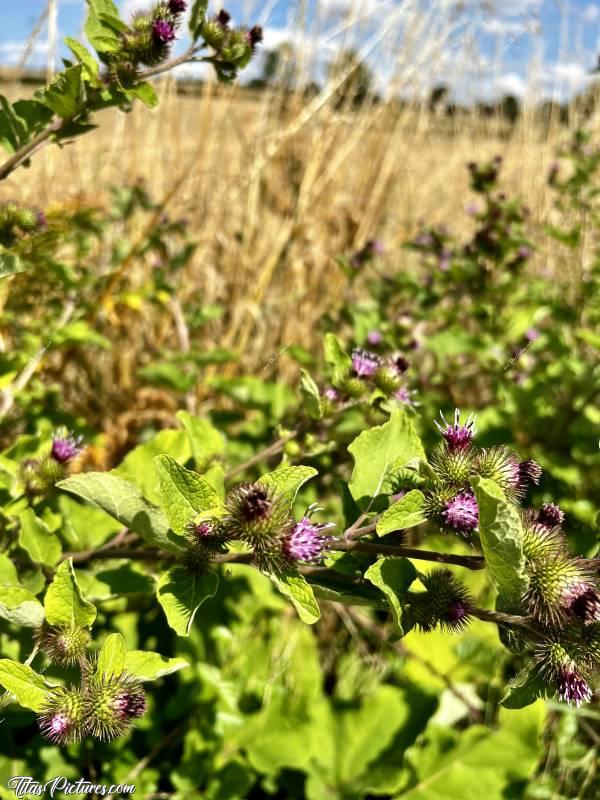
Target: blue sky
column 479, row 47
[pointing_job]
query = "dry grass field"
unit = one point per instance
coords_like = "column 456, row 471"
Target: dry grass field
column 274, row 188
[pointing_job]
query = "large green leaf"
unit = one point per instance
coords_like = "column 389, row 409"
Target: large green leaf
column 66, row 95
column 181, row 593
column 446, row 764
column 101, row 35
column 406, row 513
column 501, row 535
column 287, row 481
column 300, row 593
column 42, row 545
column 148, row 666
column 184, row 493
column 205, row 440
column 122, row 501
column 336, row 357
column 20, row 607
column 64, row 601
column 378, row 452
column 24, row 683
column 111, row 658
column 393, row 576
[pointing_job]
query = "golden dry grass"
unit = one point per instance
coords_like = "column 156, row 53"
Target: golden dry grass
column 272, row 194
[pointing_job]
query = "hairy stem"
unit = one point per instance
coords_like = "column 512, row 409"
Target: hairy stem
column 470, row 562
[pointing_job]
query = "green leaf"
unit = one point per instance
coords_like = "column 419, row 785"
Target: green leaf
column 64, row 602
column 406, row 513
column 336, row 357
column 300, row 593
column 102, row 36
column 8, row 572
column 287, row 481
column 197, row 16
column 185, row 494
column 138, row 465
column 111, row 658
column 393, row 576
column 378, row 452
column 122, row 501
column 20, row 607
column 527, row 687
column 25, row 684
column 147, row 666
column 42, row 545
column 91, row 67
column 145, row 92
column 311, row 398
column 66, row 95
column 10, row 264
column 181, row 593
column 501, row 535
column 205, row 440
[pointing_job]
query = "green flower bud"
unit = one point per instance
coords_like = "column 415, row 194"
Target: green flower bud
column 111, row 703
column 63, row 645
column 62, row 719
column 387, row 379
column 453, row 467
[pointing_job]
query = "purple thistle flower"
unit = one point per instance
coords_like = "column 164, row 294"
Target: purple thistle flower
column 306, row 542
column 223, row 18
column 256, row 504
column 583, row 601
column 375, row 247
column 572, row 688
column 364, row 363
column 332, row 394
column 254, row 36
column 550, row 516
column 531, row 334
column 461, row 513
column 524, row 252
column 403, row 395
column 56, row 728
column 529, row 472
column 399, row 364
column 64, row 448
column 457, row 615
column 130, row 705
column 201, row 530
column 374, row 338
column 177, row 6
column 458, row 437
column 162, row 31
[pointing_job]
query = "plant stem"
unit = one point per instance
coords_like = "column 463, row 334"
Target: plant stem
column 28, row 149
column 470, row 562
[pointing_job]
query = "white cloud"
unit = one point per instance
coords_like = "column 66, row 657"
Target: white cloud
column 591, row 13
column 511, row 83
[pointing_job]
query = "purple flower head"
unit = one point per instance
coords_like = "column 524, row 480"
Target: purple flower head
column 529, row 472
column 64, row 448
column 572, row 688
column 256, row 504
column 399, row 364
column 374, row 247
column 332, row 394
column 177, row 6
column 223, row 18
column 162, row 32
column 306, row 541
column 130, row 704
column 457, row 615
column 56, row 728
column 405, row 396
column 472, row 209
column 364, row 363
column 458, row 437
column 583, row 601
column 524, row 252
column 531, row 334
column 42, row 220
column 461, row 513
column 254, row 36
column 550, row 516
column 374, row 338
column 202, row 530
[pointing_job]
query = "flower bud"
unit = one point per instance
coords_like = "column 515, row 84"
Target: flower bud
column 454, row 467
column 256, row 514
column 65, row 447
column 550, row 516
column 461, row 514
column 111, row 703
column 445, row 602
column 63, row 645
column 62, row 718
column 458, row 437
column 554, row 583
column 502, row 466
column 387, row 379
column 558, row 662
column 364, row 363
